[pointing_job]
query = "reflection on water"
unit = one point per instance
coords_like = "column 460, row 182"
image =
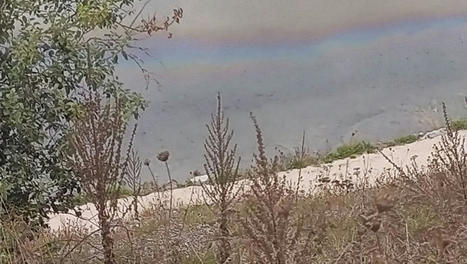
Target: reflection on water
column 379, row 88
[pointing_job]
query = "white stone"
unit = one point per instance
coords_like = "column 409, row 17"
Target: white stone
column 199, row 179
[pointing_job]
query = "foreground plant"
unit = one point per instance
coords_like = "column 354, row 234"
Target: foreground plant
column 273, row 230
column 221, row 166
column 450, row 157
column 425, row 220
column 99, row 161
column 133, row 179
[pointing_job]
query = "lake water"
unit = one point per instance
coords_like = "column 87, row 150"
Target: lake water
column 376, row 83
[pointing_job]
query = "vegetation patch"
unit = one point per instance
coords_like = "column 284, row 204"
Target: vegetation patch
column 198, row 215
column 83, row 198
column 459, row 124
column 291, row 162
column 420, row 218
column 405, row 139
column 350, row 150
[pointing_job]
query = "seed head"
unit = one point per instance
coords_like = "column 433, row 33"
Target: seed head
column 146, row 162
column 163, row 156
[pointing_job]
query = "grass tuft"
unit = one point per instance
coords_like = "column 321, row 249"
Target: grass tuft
column 459, row 124
column 350, row 150
column 405, row 139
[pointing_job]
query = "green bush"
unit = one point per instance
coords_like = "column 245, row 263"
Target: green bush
column 45, row 50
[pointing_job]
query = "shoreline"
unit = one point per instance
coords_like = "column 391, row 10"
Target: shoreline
column 365, row 168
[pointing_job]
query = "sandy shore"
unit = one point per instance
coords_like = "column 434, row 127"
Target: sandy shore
column 364, row 168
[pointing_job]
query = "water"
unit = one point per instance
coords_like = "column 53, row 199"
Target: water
column 377, row 85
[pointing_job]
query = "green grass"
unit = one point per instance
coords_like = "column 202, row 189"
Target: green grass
column 296, row 162
column 350, row 150
column 198, row 214
column 80, row 199
column 207, row 258
column 124, row 192
column 420, row 218
column 459, row 124
column 405, row 139
column 83, row 198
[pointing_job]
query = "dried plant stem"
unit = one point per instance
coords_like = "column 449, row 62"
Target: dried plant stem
column 96, row 158
column 267, row 225
column 302, row 156
column 349, row 245
column 407, row 236
column 171, row 192
column 133, row 179
column 154, row 179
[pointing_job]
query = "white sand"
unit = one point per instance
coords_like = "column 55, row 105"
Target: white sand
column 369, row 166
